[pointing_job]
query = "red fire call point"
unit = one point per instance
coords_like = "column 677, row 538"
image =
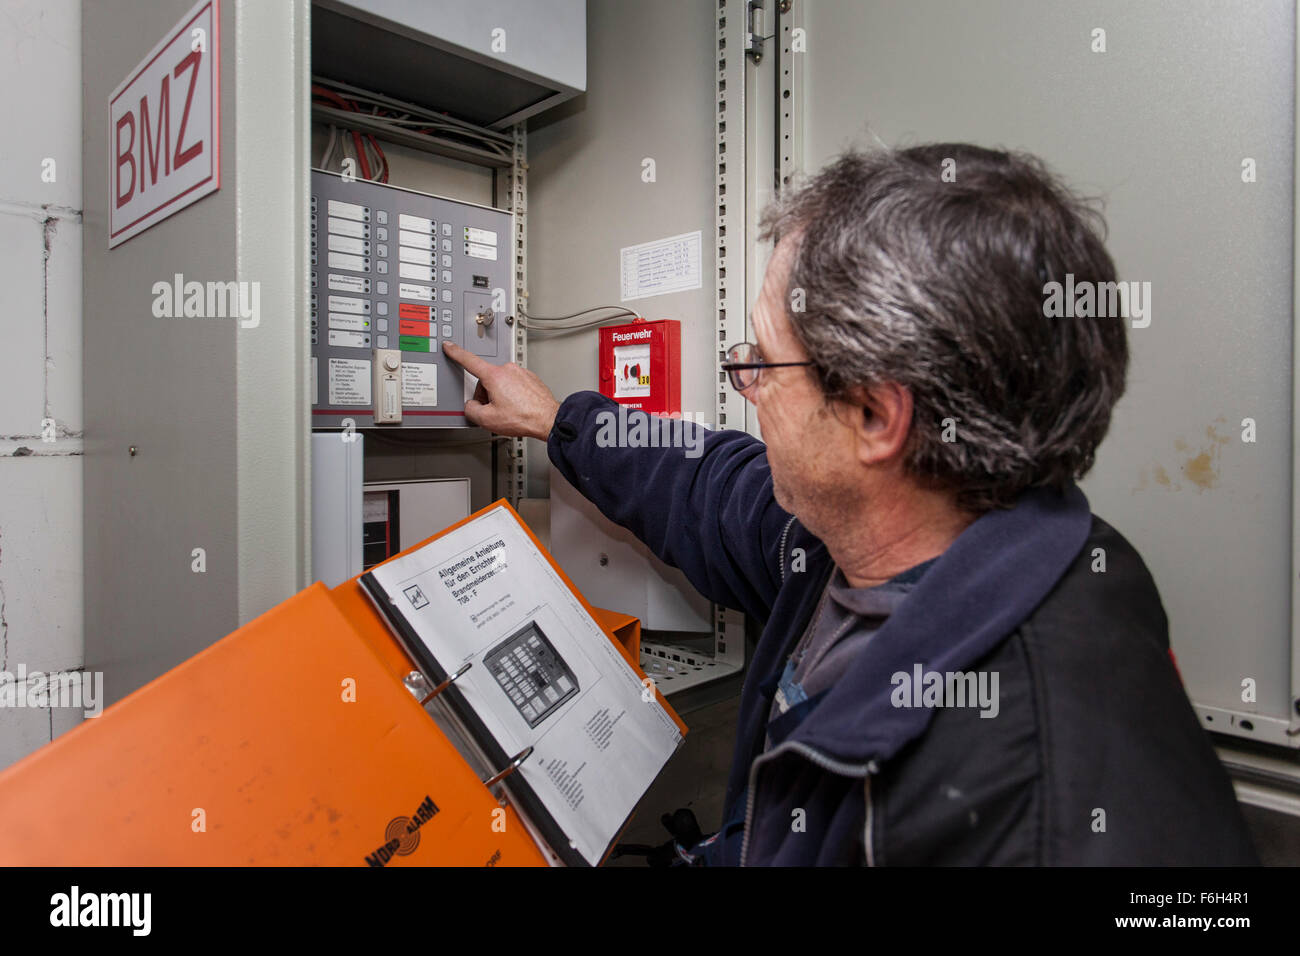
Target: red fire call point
column 640, row 365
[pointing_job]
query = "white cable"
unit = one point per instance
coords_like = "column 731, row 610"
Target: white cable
column 622, row 310
column 329, row 147
column 553, row 329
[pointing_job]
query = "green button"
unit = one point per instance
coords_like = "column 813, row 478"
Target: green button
column 412, row 343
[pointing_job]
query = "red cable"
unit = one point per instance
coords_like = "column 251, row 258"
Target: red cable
column 341, row 103
column 361, row 154
column 383, row 175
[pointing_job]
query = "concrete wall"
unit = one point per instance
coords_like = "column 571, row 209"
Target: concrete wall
column 40, row 360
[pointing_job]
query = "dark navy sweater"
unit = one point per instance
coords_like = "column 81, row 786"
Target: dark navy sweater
column 1013, row 591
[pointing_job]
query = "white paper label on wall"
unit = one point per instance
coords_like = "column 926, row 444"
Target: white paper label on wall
column 163, row 127
column 660, row 267
column 419, row 384
column 349, row 381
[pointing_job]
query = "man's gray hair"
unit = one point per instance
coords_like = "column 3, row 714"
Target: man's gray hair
column 939, row 286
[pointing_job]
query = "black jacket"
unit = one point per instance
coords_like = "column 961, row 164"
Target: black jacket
column 1095, row 755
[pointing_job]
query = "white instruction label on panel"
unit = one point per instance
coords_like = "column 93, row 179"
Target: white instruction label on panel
column 414, row 223
column 349, row 340
column 631, row 371
column 348, row 322
column 479, row 251
column 348, row 210
column 347, row 244
column 483, row 236
column 346, row 227
column 349, row 303
column 408, row 270
column 662, row 266
column 374, row 506
column 422, row 256
column 342, row 260
column 409, row 290
column 349, row 381
column 419, row 384
column 415, row 239
column 348, row 283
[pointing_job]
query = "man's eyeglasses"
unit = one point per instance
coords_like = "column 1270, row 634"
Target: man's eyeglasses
column 743, row 365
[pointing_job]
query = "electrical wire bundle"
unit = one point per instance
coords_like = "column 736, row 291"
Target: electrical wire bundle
column 399, row 117
column 559, row 324
column 365, row 149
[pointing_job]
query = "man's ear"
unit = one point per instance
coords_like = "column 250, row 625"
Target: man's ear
column 882, row 416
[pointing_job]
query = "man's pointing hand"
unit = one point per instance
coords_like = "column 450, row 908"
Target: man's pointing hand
column 509, row 400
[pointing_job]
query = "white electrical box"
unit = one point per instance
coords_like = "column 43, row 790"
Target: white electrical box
column 613, row 569
column 336, row 479
column 398, row 514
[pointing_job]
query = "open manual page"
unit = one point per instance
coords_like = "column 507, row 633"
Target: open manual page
column 542, row 673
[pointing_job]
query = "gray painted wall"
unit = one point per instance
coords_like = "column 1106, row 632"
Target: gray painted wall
column 650, row 94
column 218, row 413
column 1158, row 125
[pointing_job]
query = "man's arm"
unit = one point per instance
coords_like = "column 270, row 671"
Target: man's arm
column 705, row 506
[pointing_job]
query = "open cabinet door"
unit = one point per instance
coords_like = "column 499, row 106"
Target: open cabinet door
column 1158, row 109
column 196, row 490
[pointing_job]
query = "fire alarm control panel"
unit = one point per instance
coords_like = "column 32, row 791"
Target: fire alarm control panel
column 394, row 274
column 640, row 365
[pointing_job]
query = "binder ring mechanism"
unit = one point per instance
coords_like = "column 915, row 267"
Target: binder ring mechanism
column 510, row 767
column 519, row 758
column 443, row 686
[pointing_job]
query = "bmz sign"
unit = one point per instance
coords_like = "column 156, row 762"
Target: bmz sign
column 163, row 127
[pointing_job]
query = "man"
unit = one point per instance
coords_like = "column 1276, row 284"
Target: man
column 960, row 664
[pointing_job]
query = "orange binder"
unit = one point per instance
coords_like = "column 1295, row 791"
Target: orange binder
column 291, row 741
